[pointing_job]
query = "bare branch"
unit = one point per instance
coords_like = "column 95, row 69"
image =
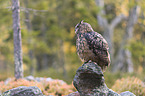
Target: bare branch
column 125, row 54
column 100, row 4
column 132, row 20
column 102, row 21
column 34, row 10
column 28, row 9
column 117, row 20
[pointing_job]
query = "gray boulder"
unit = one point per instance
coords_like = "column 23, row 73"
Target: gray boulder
column 74, row 94
column 89, row 81
column 30, row 78
column 24, row 91
column 127, row 93
column 38, row 79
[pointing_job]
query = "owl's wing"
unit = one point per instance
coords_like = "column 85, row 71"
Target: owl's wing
column 97, row 44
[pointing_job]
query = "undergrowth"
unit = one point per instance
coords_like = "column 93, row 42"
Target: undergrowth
column 54, row 87
column 132, row 84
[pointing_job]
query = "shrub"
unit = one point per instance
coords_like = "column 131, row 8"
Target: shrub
column 131, row 84
column 20, row 82
column 57, row 87
column 54, row 87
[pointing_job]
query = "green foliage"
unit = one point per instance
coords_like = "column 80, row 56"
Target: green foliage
column 138, row 52
column 139, row 48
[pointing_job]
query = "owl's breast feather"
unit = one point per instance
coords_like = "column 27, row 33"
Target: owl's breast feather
column 83, row 49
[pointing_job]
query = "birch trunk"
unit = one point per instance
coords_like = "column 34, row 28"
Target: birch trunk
column 17, row 39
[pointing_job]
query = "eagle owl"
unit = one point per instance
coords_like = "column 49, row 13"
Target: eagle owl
column 91, row 45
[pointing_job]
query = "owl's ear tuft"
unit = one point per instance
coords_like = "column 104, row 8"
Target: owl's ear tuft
column 82, row 21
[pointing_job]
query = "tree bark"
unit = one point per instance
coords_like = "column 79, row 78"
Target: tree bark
column 17, row 39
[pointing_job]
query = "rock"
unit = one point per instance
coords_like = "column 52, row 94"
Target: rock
column 24, row 91
column 49, row 79
column 89, row 81
column 38, row 79
column 127, row 93
column 30, row 78
column 74, row 94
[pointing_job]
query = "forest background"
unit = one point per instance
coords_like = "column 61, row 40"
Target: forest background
column 48, row 37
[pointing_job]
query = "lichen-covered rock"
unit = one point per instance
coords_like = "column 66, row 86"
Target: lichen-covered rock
column 38, row 79
column 30, row 78
column 89, row 81
column 74, row 94
column 127, row 93
column 24, row 91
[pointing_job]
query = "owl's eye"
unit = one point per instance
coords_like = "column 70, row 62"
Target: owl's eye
column 78, row 26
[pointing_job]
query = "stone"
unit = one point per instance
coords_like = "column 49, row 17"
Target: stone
column 74, row 94
column 23, row 91
column 89, row 81
column 38, row 79
column 30, row 78
column 49, row 79
column 127, row 93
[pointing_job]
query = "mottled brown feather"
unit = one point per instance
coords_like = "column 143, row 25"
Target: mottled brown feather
column 91, row 45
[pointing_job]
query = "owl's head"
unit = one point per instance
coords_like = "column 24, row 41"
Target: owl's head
column 83, row 27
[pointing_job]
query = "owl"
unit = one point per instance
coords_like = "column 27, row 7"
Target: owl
column 91, row 46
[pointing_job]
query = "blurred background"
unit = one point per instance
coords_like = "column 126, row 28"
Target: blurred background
column 48, row 37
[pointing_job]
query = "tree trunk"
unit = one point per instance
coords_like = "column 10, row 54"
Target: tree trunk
column 123, row 58
column 17, row 39
column 39, row 62
column 108, row 28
